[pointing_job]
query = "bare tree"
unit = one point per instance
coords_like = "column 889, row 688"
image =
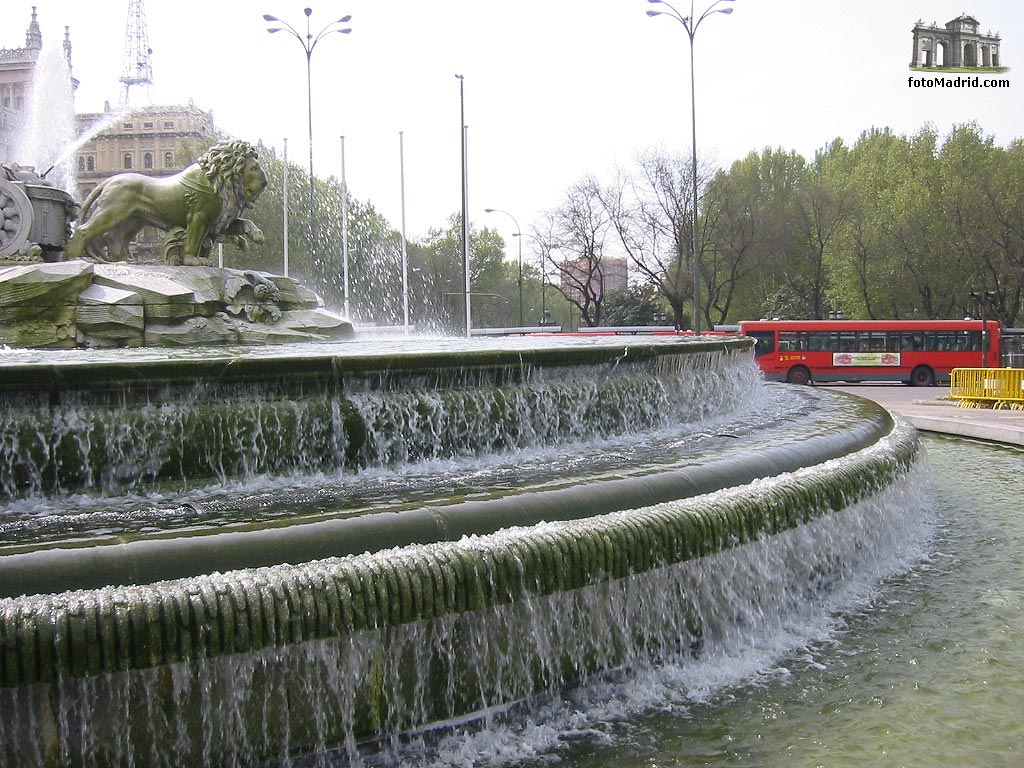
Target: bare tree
column 574, row 240
column 653, row 217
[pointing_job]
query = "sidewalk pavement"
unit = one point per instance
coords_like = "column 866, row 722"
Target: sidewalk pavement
column 941, row 414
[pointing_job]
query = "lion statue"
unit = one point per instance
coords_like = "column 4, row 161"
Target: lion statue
column 197, row 207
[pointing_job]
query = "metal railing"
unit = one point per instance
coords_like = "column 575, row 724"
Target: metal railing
column 988, row 387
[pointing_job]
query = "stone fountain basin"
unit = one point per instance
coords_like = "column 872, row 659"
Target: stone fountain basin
column 302, row 524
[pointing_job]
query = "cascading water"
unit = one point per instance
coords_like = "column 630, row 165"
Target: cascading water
column 299, row 563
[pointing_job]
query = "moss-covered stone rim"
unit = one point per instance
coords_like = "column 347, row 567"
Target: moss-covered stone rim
column 39, row 568
column 92, row 632
column 75, row 375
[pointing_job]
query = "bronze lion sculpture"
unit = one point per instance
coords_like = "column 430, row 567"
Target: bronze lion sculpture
column 197, row 207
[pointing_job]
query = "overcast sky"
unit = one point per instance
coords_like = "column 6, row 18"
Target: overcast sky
column 554, row 89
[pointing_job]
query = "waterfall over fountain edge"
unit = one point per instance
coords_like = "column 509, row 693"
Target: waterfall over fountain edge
column 339, row 639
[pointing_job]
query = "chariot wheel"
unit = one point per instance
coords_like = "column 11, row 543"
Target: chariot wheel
column 15, row 219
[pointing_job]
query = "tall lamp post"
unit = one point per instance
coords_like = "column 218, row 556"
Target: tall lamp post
column 690, row 25
column 519, row 235
column 308, row 43
column 985, row 299
column 465, row 204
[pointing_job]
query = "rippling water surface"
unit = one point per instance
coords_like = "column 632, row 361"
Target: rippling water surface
column 925, row 669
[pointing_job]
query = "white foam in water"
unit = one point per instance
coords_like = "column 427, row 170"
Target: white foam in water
column 760, row 608
column 765, row 605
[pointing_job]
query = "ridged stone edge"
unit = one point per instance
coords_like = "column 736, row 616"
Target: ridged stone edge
column 91, row 632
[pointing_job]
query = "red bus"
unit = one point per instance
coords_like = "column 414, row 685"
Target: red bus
column 921, row 353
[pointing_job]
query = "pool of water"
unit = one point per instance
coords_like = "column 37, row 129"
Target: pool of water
column 923, row 668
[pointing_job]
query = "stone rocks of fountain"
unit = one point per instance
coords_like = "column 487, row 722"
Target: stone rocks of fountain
column 77, row 303
column 38, row 303
column 108, row 316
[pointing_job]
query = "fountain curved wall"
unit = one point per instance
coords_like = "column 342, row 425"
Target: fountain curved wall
column 263, row 637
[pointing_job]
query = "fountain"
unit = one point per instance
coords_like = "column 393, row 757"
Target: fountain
column 255, row 554
column 284, row 551
column 87, row 289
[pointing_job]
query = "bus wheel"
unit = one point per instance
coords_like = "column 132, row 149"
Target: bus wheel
column 798, row 375
column 922, row 376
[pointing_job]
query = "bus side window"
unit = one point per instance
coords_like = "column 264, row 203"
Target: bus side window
column 911, row 342
column 790, row 341
column 818, row 341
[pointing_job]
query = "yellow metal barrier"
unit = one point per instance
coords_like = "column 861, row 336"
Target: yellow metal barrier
column 988, row 387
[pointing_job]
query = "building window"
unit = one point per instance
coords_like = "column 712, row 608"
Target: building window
column 147, row 160
column 168, row 159
column 128, row 160
column 90, row 163
column 127, row 125
column 147, row 125
column 81, row 163
column 168, row 123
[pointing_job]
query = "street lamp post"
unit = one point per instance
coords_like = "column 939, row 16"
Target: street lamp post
column 985, row 299
column 465, row 204
column 691, row 29
column 308, row 43
column 518, row 234
column 344, row 230
column 405, row 241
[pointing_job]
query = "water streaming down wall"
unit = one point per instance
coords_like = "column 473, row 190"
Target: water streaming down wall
column 244, row 666
column 111, row 434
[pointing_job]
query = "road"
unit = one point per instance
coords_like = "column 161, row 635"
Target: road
column 928, row 409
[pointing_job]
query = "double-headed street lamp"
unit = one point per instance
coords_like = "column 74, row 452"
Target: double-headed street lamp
column 308, row 43
column 518, row 234
column 690, row 25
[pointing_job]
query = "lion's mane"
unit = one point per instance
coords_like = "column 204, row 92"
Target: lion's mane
column 224, row 166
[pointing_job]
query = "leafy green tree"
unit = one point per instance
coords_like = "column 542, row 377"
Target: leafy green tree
column 752, row 207
column 637, row 304
column 868, row 278
column 822, row 206
column 734, row 203
column 993, row 221
column 493, row 286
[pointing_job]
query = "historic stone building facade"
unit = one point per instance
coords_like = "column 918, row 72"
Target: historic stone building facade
column 958, row 44
column 16, row 68
column 154, row 140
